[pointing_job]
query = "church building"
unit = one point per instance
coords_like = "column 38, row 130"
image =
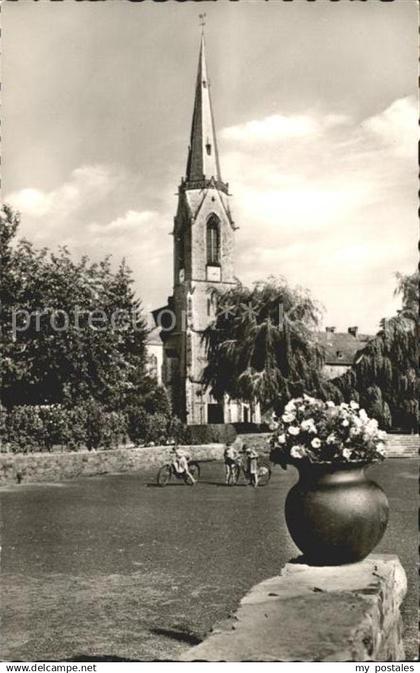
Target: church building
column 203, row 261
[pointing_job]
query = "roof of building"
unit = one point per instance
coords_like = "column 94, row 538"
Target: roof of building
column 341, row 347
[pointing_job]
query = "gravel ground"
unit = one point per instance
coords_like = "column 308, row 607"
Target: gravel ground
column 114, row 568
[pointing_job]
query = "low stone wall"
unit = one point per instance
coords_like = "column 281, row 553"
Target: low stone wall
column 337, row 613
column 397, row 446
column 33, row 467
column 38, row 467
column 403, row 446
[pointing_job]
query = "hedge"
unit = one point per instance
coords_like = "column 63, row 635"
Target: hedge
column 89, row 425
column 29, row 428
column 210, row 434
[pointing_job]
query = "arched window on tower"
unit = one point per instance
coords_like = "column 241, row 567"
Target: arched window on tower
column 213, row 241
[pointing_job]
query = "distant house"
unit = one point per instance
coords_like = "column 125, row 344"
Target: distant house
column 154, row 357
column 341, row 349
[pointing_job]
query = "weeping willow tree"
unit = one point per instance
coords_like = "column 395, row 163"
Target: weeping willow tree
column 384, row 376
column 261, row 346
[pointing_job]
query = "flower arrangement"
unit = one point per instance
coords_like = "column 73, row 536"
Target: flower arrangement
column 322, row 432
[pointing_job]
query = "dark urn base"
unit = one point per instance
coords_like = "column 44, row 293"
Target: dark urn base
column 335, row 514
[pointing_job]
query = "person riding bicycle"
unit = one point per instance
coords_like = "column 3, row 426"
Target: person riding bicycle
column 180, row 460
column 231, row 456
column 252, row 464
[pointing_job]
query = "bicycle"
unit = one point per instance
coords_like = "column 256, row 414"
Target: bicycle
column 241, row 465
column 168, row 471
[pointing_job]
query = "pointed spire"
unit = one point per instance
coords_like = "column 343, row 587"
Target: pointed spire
column 203, row 157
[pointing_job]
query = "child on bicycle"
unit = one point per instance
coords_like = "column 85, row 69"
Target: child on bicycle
column 252, row 465
column 230, row 456
column 180, row 460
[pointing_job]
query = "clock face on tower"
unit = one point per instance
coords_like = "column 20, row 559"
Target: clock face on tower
column 214, row 273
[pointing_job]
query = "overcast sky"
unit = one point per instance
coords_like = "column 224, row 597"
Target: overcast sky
column 315, row 106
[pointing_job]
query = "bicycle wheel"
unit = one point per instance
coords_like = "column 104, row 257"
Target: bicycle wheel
column 234, row 475
column 264, row 474
column 164, row 475
column 194, row 469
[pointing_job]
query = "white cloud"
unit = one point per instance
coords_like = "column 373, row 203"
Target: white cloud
column 126, row 224
column 275, row 127
column 138, row 236
column 332, row 208
column 278, row 127
column 77, row 214
column 86, row 185
column 31, row 201
column 397, row 126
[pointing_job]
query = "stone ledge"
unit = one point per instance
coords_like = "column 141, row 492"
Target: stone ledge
column 51, row 467
column 337, row 613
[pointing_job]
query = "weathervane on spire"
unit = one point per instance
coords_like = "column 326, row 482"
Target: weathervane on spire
column 202, row 18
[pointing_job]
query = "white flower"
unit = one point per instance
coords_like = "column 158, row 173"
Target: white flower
column 382, row 435
column 371, row 429
column 308, row 424
column 288, row 418
column 330, row 404
column 345, row 423
column 363, row 415
column 298, row 451
column 380, row 448
column 354, row 405
column 273, row 426
column 356, row 426
column 316, row 443
column 294, row 430
column 346, row 454
column 309, row 399
column 290, row 406
column 331, row 439
column 343, row 405
column 281, row 439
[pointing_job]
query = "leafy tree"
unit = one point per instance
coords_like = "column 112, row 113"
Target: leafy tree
column 149, row 413
column 384, row 376
column 16, row 264
column 261, row 345
column 71, row 330
column 408, row 288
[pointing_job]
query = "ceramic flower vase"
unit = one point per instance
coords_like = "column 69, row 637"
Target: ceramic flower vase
column 334, row 513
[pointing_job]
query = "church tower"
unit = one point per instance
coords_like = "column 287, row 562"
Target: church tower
column 203, row 240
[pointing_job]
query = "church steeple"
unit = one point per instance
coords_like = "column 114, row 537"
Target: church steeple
column 203, row 246
column 203, row 157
